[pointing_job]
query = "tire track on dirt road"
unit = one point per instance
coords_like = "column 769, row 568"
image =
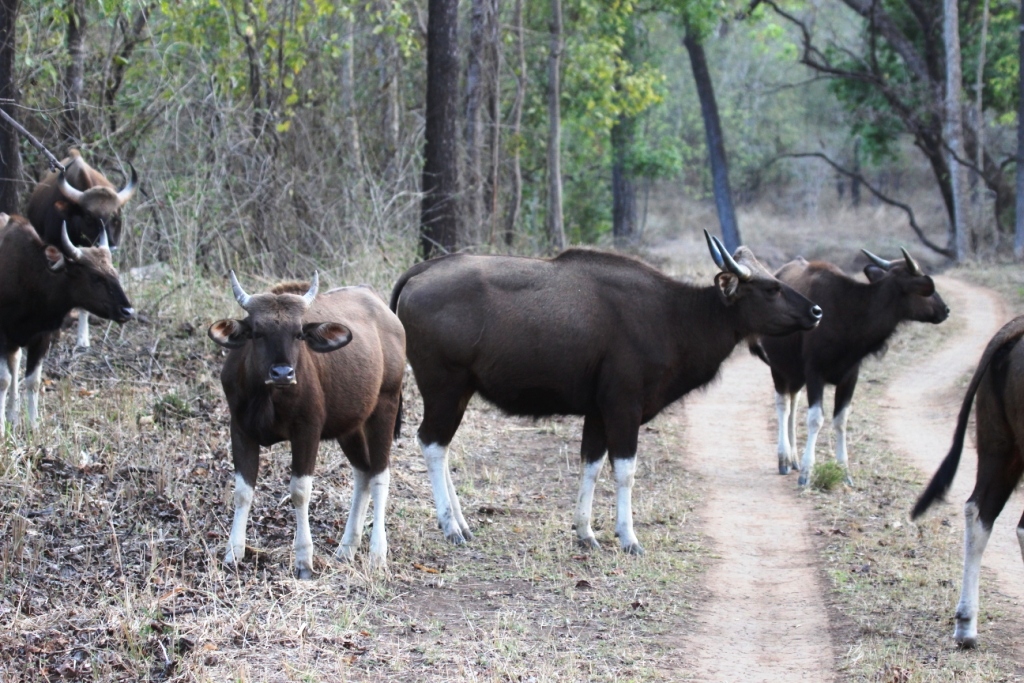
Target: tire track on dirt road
column 921, row 409
column 765, row 619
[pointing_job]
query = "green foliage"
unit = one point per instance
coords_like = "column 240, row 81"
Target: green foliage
column 827, row 475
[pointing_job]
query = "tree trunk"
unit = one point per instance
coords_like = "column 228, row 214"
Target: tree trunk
column 515, row 201
column 346, row 76
column 494, row 109
column 977, row 193
column 439, row 227
column 715, row 141
column 1018, row 238
column 389, row 65
column 113, row 80
column 623, row 187
column 10, row 157
column 474, row 122
column 74, row 77
column 855, row 181
column 555, row 226
column 954, row 131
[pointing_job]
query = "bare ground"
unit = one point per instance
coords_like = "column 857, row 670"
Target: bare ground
column 765, row 617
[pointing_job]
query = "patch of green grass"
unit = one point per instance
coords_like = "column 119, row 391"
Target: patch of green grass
column 827, row 475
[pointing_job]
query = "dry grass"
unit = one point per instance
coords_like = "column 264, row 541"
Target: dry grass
column 115, row 514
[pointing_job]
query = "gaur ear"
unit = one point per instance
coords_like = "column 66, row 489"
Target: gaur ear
column 231, row 334
column 326, row 337
column 55, row 257
column 874, row 273
column 727, row 284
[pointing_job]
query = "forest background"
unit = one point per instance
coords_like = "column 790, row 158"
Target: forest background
column 276, row 136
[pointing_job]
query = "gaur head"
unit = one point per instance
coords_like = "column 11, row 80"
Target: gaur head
column 917, row 298
column 96, row 209
column 90, row 277
column 275, row 331
column 769, row 306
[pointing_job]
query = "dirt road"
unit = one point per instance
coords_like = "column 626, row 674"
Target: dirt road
column 766, row 618
column 921, row 408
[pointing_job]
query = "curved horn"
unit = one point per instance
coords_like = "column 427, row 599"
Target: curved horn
column 103, row 243
column 71, row 251
column 880, row 262
column 126, row 193
column 715, row 254
column 240, row 296
column 71, row 194
column 911, row 263
column 742, row 271
column 314, row 285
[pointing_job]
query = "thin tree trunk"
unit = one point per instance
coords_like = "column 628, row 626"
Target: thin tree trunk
column 555, row 226
column 10, row 156
column 439, row 227
column 623, row 187
column 1018, row 237
column 494, row 109
column 346, row 76
column 474, row 121
column 715, row 141
column 954, row 130
column 132, row 37
column 855, row 181
column 978, row 198
column 389, row 65
column 74, row 76
column 515, row 201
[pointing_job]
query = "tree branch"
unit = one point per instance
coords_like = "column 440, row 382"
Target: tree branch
column 875, row 191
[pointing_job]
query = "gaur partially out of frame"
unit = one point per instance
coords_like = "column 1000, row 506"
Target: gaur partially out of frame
column 585, row 333
column 998, row 388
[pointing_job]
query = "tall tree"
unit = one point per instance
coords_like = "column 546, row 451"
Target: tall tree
column 954, row 130
column 624, row 223
column 1018, row 238
column 74, row 76
column 10, row 157
column 554, row 220
column 439, row 210
column 515, row 201
column 346, row 81
column 715, row 138
column 475, row 88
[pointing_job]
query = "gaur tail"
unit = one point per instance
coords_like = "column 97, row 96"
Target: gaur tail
column 943, row 478
column 754, row 344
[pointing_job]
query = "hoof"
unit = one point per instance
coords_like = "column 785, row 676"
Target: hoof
column 849, row 480
column 802, row 481
column 234, row 555
column 783, row 468
column 965, row 636
column 455, row 538
column 378, row 563
column 633, row 549
column 467, row 534
column 345, row 553
column 303, row 573
column 588, row 543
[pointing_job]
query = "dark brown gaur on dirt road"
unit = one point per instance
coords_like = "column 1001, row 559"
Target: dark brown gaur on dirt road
column 87, row 203
column 585, row 333
column 39, row 284
column 288, row 378
column 998, row 384
column 859, row 318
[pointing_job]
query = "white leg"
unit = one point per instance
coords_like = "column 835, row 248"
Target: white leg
column 243, row 501
column 301, row 490
column 625, row 471
column 585, row 503
column 1020, row 540
column 436, row 457
column 456, row 505
column 839, row 425
column 783, row 408
column 13, row 411
column 5, row 385
column 814, row 422
column 83, row 329
column 32, row 384
column 794, row 401
column 356, row 515
column 379, row 536
column 975, row 539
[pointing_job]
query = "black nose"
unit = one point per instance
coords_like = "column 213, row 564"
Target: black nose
column 816, row 312
column 281, row 374
column 125, row 314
